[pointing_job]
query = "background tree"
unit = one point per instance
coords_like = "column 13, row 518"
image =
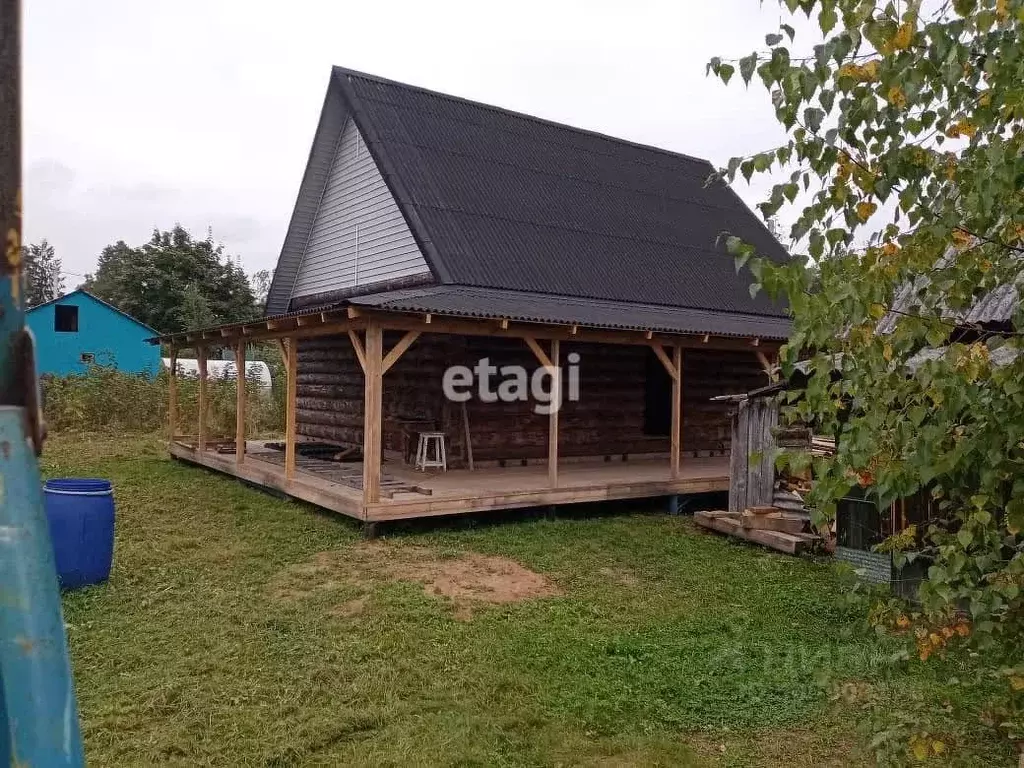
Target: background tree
column 150, row 282
column 905, row 153
column 43, row 279
column 261, row 282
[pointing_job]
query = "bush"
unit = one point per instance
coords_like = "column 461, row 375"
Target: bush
column 108, row 400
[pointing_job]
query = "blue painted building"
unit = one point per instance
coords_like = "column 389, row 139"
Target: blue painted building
column 78, row 329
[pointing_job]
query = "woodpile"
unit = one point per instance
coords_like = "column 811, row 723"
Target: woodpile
column 788, row 532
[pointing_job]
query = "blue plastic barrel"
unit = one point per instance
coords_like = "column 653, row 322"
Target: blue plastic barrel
column 81, row 516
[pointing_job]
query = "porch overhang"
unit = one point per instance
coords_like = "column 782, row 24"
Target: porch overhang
column 493, row 312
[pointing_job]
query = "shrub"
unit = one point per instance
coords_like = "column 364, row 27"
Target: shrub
column 108, row 400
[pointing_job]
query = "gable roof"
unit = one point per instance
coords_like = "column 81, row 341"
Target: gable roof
column 98, row 300
column 497, row 199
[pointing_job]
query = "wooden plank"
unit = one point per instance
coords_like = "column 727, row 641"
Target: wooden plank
column 468, row 436
column 240, row 403
column 539, row 353
column 730, row 524
column 322, row 493
column 670, row 366
column 403, row 509
column 372, row 397
column 677, row 409
column 738, row 460
column 203, row 396
column 774, row 521
column 556, row 406
column 357, row 345
column 290, row 397
column 398, row 350
column 172, row 395
column 282, row 345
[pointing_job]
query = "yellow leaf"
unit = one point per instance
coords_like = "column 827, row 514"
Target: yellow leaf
column 938, row 747
column 896, row 97
column 904, row 36
column 961, row 239
column 887, row 352
column 1017, row 683
column 869, row 72
column 1002, row 13
column 864, row 210
column 920, row 749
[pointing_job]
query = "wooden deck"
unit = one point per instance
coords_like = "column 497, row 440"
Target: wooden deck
column 410, row 494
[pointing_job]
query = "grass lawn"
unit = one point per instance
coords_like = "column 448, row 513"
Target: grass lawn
column 241, row 629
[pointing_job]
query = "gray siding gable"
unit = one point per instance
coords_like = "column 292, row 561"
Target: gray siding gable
column 358, row 235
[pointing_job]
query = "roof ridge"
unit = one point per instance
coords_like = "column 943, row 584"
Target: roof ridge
column 524, row 115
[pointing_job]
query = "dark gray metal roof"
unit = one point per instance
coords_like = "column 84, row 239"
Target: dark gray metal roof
column 524, row 306
column 498, row 199
column 996, row 306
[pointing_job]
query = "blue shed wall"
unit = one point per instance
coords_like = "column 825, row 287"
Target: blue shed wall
column 111, row 337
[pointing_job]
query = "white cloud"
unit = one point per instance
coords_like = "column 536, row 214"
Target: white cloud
column 142, row 114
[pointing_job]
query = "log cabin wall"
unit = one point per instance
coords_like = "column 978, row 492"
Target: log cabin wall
column 611, row 416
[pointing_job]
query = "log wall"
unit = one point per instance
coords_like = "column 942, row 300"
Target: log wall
column 608, row 419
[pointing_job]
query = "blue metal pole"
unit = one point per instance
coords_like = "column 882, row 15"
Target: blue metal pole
column 38, row 712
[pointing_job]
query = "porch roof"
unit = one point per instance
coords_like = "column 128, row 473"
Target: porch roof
column 524, row 307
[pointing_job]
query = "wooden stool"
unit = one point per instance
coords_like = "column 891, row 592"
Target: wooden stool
column 426, row 441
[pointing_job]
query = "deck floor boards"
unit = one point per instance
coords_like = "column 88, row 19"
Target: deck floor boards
column 410, row 493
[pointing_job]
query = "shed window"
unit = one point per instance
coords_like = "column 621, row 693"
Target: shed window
column 65, row 318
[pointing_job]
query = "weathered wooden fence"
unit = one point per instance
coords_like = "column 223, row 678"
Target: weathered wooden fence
column 752, row 454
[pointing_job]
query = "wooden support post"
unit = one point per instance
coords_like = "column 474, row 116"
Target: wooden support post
column 203, row 399
column 556, row 403
column 677, row 410
column 372, row 402
column 172, row 396
column 292, row 363
column 240, row 402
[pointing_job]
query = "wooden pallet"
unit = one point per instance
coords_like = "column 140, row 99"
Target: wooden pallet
column 747, row 529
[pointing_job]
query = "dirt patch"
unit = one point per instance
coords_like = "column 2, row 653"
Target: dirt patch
column 465, row 579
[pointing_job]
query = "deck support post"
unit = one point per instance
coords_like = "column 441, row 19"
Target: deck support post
column 292, row 364
column 677, row 410
column 556, row 406
column 203, row 399
column 674, row 368
column 373, row 350
column 240, row 403
column 172, row 396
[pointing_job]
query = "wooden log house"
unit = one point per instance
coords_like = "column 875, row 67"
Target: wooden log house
column 432, row 232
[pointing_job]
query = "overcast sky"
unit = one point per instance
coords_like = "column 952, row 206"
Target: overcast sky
column 144, row 113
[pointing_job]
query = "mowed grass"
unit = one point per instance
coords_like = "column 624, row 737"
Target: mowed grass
column 666, row 646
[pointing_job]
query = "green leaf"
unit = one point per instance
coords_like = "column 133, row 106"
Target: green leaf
column 725, row 71
column 827, row 17
column 788, row 30
column 747, row 66
column 813, row 117
column 772, row 40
